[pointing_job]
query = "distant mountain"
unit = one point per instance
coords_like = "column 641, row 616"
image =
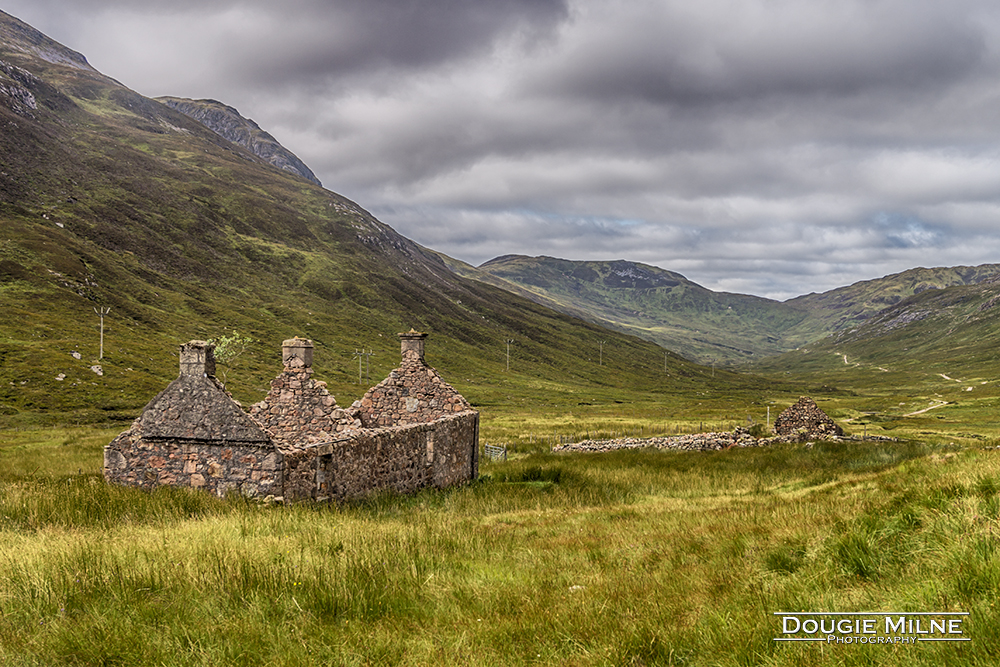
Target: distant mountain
column 706, row 326
column 228, row 123
column 846, row 307
column 650, row 302
column 111, row 200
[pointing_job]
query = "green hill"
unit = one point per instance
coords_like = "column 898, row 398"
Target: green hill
column 112, row 200
column 710, row 327
column 946, row 335
column 846, row 307
column 649, row 302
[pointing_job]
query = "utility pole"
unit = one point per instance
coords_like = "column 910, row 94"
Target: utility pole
column 101, row 313
column 509, row 341
column 367, row 356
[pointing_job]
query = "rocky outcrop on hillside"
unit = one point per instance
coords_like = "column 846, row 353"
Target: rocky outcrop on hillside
column 229, row 124
column 20, row 36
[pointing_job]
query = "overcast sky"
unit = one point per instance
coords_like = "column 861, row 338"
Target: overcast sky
column 770, row 147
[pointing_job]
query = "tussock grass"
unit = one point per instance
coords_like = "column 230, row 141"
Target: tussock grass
column 635, row 557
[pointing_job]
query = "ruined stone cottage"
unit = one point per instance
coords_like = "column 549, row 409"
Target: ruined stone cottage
column 805, row 419
column 411, row 431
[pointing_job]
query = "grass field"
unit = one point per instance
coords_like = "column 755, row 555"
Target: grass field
column 634, row 558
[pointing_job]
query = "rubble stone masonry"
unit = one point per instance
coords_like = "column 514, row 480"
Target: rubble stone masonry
column 251, row 469
column 194, row 434
column 807, row 420
column 402, row 459
column 299, row 409
column 414, row 393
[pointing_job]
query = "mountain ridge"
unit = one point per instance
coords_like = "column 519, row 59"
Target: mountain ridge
column 709, row 327
column 228, row 123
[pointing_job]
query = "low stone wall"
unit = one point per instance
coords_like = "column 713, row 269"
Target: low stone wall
column 704, row 442
column 252, row 469
column 401, row 459
column 690, row 442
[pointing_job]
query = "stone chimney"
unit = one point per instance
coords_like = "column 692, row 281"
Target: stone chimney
column 297, row 353
column 197, row 359
column 412, row 341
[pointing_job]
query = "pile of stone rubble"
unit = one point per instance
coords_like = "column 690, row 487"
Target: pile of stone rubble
column 806, row 418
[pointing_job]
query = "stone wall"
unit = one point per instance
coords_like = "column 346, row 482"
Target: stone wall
column 402, row 459
column 252, row 469
column 413, row 393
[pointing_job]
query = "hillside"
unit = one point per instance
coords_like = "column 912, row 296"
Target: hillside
column 710, row 327
column 946, row 335
column 228, row 123
column 112, row 200
column 652, row 303
column 846, row 307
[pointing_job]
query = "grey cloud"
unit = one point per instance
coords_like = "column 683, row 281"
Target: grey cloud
column 288, row 44
column 717, row 51
column 322, row 40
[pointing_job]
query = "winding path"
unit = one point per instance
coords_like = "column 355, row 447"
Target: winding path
column 920, row 412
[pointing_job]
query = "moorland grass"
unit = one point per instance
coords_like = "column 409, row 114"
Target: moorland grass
column 635, row 557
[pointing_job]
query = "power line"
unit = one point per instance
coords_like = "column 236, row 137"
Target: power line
column 101, row 313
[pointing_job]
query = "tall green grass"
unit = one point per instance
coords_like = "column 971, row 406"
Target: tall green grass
column 635, row 558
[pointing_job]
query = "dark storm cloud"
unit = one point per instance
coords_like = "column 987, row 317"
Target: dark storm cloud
column 717, row 51
column 309, row 38
column 767, row 146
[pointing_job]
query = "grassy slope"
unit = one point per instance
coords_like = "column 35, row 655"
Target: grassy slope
column 950, row 331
